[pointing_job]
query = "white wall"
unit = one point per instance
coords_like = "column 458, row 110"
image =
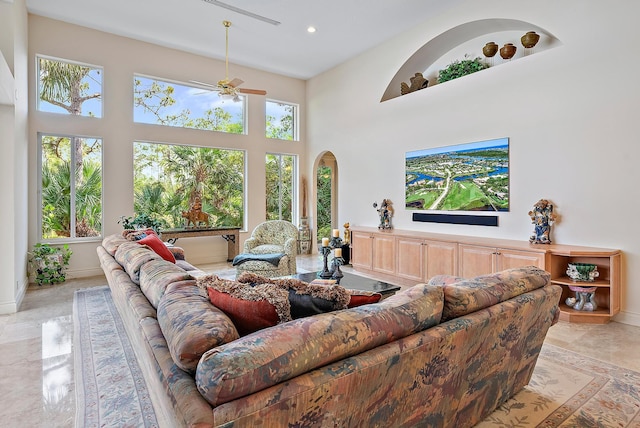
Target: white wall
column 570, row 114
column 122, row 58
column 13, row 143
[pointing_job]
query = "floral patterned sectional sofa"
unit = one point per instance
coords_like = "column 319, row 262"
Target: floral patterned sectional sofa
column 442, row 354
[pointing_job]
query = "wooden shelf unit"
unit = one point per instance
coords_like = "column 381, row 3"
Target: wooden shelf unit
column 409, row 257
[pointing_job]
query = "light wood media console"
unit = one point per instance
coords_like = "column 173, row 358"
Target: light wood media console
column 408, row 257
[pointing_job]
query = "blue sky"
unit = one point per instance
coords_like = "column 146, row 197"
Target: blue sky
column 499, row 142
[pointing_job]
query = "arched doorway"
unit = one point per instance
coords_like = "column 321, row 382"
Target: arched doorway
column 326, row 173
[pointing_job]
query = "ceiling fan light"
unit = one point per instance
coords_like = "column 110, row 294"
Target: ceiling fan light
column 226, row 96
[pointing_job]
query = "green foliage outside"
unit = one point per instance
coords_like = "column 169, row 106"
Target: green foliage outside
column 281, row 127
column 168, row 179
column 155, row 97
column 279, row 186
column 324, row 202
column 461, row 68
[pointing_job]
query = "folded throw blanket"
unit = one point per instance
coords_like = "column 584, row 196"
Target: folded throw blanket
column 274, row 259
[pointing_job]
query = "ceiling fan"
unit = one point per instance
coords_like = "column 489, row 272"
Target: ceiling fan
column 228, row 89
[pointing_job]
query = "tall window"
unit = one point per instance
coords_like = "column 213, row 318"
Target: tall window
column 71, row 187
column 323, row 207
column 280, row 181
column 282, row 120
column 169, row 178
column 166, row 103
column 69, row 87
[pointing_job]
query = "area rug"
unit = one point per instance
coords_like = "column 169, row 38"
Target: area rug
column 571, row 390
column 110, row 389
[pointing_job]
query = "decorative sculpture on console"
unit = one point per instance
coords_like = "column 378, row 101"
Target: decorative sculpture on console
column 195, row 215
column 542, row 217
column 385, row 212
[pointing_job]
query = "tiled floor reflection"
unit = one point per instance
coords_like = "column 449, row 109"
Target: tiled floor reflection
column 36, row 349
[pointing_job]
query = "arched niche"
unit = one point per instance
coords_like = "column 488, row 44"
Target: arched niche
column 456, row 43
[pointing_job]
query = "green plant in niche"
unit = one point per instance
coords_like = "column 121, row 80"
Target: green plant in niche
column 140, row 221
column 49, row 263
column 459, row 68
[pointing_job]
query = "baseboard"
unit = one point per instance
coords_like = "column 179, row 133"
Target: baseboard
column 628, row 318
column 12, row 306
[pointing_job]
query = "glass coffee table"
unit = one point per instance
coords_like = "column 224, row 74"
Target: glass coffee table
column 355, row 282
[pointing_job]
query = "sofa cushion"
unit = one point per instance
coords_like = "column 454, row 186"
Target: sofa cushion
column 112, row 242
column 270, row 356
column 191, row 324
column 152, row 241
column 470, row 295
column 132, row 256
column 156, row 275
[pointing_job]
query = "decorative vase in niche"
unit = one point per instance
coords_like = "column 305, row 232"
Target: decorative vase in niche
column 530, row 39
column 508, row 51
column 490, row 49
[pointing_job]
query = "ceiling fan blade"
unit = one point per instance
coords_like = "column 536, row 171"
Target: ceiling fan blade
column 208, row 85
column 235, row 82
column 252, row 91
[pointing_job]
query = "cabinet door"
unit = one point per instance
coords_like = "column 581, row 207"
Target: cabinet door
column 384, row 254
column 410, row 259
column 441, row 259
column 361, row 250
column 475, row 260
column 508, row 259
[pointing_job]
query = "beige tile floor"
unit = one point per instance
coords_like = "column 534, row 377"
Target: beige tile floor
column 36, row 364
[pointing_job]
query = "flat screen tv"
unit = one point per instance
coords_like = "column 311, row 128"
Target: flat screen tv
column 464, row 177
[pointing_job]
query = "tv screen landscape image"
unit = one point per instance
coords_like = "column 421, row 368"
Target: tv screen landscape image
column 464, row 177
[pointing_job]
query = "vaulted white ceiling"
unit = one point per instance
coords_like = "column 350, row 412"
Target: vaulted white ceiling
column 345, row 28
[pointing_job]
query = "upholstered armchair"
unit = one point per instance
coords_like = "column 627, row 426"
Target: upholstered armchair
column 272, row 237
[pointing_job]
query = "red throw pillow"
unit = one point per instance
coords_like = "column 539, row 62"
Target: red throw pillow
column 153, row 242
column 247, row 315
column 359, row 298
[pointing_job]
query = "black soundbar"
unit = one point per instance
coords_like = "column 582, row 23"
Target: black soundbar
column 474, row 220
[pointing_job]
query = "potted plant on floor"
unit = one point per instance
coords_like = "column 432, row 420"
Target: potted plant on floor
column 49, row 263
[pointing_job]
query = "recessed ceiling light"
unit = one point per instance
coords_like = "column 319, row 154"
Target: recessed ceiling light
column 311, row 29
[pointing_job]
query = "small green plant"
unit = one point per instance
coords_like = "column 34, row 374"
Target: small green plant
column 49, row 263
column 461, row 68
column 140, row 221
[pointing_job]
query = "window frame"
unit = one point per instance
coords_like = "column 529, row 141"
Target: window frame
column 194, row 85
column 296, row 119
column 71, row 239
column 38, row 101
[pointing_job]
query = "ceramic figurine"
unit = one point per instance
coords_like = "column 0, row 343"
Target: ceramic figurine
column 385, row 212
column 542, row 217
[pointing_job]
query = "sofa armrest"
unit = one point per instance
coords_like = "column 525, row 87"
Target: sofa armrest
column 177, row 252
column 250, row 244
column 291, row 246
